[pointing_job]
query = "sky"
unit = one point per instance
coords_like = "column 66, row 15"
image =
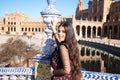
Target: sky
column 32, row 8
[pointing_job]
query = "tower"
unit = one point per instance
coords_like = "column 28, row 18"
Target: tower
column 80, row 5
column 106, row 8
column 79, row 9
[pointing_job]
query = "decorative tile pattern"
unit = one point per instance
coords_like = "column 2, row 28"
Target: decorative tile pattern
column 43, row 73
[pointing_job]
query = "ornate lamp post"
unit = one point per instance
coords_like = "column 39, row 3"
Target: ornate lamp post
column 42, row 62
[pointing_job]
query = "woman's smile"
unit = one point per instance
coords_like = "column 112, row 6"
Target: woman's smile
column 61, row 33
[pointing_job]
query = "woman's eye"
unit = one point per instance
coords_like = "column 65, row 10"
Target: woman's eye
column 63, row 31
column 58, row 31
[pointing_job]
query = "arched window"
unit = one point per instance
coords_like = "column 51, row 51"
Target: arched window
column 22, row 29
column 83, row 31
column 105, row 30
column 32, row 29
column 39, row 29
column 11, row 28
column 14, row 28
column 99, row 31
column 95, row 18
column 25, row 29
column 36, row 29
column 115, row 29
column 108, row 18
column 2, row 28
column 88, row 31
column 78, row 30
column 29, row 29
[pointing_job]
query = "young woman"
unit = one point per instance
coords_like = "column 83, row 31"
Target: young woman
column 65, row 60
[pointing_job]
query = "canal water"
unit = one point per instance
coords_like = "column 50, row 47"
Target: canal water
column 98, row 60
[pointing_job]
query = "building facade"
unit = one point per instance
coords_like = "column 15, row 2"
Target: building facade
column 17, row 23
column 101, row 19
column 20, row 24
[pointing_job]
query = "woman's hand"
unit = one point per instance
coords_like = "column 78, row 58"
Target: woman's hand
column 54, row 25
column 51, row 71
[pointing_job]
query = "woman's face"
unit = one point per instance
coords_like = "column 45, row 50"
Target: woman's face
column 61, row 33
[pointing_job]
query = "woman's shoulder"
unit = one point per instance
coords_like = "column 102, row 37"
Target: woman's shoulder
column 63, row 44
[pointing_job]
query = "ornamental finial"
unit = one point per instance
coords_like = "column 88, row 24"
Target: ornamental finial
column 51, row 2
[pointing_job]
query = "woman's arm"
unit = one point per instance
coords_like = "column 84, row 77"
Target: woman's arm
column 65, row 60
column 54, row 29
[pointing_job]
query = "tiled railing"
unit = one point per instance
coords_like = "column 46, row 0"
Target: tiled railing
column 16, row 73
column 88, row 75
column 28, row 74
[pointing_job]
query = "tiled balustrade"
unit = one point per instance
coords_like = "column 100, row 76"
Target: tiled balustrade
column 16, row 73
column 28, row 74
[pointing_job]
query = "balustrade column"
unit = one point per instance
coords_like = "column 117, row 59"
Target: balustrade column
column 95, row 53
column 86, row 32
column 91, row 52
column 42, row 62
column 81, row 35
column 85, row 51
column 91, row 32
column 96, row 32
column 102, row 66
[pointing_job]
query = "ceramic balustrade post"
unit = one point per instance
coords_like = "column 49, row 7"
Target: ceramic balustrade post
column 42, row 62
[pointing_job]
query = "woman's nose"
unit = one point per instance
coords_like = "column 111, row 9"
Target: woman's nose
column 60, row 32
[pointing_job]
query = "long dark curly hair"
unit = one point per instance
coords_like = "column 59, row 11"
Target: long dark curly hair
column 73, row 49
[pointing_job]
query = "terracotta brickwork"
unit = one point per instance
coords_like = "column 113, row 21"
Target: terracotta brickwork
column 20, row 24
column 101, row 19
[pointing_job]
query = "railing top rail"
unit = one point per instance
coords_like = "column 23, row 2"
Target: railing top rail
column 86, row 74
column 16, row 71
